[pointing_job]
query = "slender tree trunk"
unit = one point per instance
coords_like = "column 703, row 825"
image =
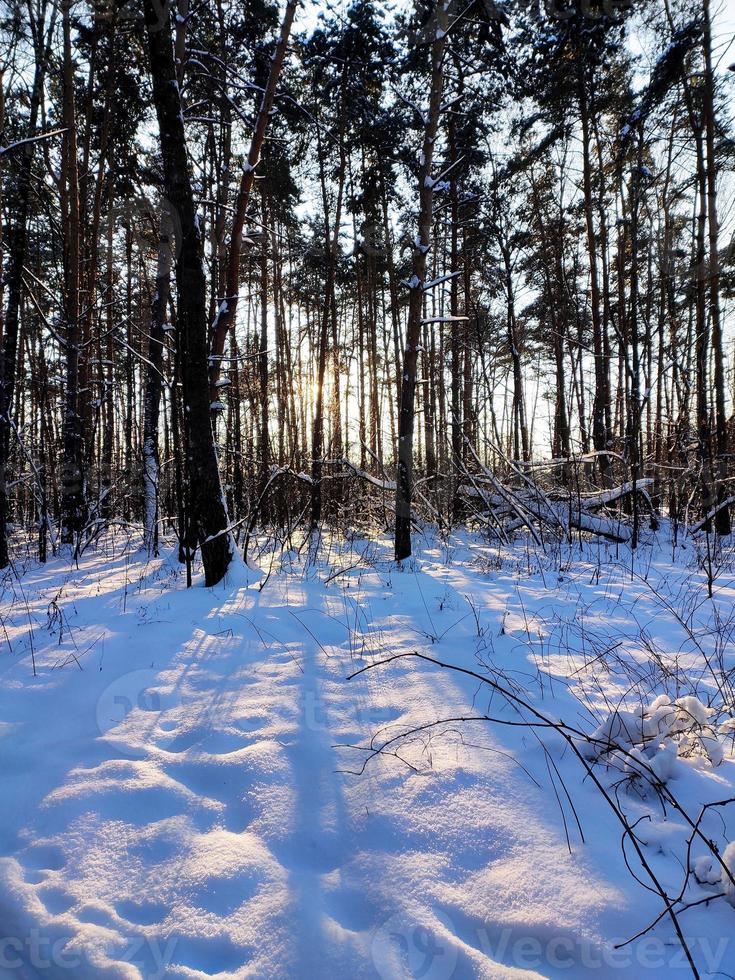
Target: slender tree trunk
column 457, row 365
column 128, row 427
column 73, row 489
column 154, row 379
column 468, row 411
column 107, row 376
column 702, row 334
column 395, row 317
column 634, row 413
column 404, row 482
column 263, row 435
column 722, row 518
column 17, row 247
column 331, row 244
column 225, row 317
column 600, row 434
column 521, row 441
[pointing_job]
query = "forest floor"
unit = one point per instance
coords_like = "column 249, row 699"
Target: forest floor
column 183, row 792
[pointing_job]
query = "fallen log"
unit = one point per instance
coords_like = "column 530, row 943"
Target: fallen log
column 590, row 501
column 556, row 514
column 728, row 502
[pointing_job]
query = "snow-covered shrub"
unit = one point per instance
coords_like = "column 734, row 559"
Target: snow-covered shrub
column 728, row 859
column 708, row 871
column 647, row 741
column 656, row 761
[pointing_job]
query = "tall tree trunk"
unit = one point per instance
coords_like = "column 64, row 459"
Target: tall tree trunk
column 225, row 317
column 73, row 489
column 207, row 515
column 457, row 365
column 634, row 413
column 722, row 518
column 154, row 378
column 404, row 482
column 263, row 436
column 395, row 316
column 331, row 245
column 17, row 247
column 601, row 398
column 468, row 414
column 128, row 418
column 702, row 333
column 521, row 442
column 107, row 377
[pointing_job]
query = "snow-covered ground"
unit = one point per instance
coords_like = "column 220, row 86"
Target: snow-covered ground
column 188, row 786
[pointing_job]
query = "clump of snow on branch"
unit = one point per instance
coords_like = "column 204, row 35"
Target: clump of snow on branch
column 646, row 742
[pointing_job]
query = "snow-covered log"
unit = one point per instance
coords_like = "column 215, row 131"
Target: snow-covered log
column 728, row 502
column 553, row 513
column 590, row 501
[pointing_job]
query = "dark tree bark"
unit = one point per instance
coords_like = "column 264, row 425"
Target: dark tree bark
column 457, row 365
column 16, row 248
column 73, row 478
column 207, row 515
column 634, row 412
column 601, row 400
column 722, row 517
column 404, row 482
column 520, row 427
column 263, row 434
column 107, row 378
column 702, row 339
column 331, row 252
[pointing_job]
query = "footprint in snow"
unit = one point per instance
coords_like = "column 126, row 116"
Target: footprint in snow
column 141, row 913
column 56, row 900
column 45, row 857
column 216, row 955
